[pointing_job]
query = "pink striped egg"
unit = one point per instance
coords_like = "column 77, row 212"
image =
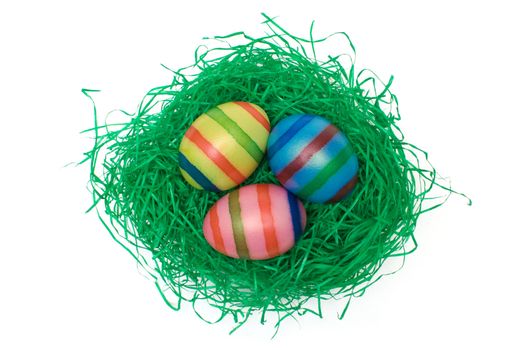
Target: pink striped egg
column 255, row 222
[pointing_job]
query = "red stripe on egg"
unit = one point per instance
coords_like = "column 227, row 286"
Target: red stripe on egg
column 307, row 153
column 265, row 206
column 344, row 190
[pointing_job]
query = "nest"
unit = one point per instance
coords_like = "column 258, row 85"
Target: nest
column 150, row 210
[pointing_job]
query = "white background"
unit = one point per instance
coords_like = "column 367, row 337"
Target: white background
column 459, row 76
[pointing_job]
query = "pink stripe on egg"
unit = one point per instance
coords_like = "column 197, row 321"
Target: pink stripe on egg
column 225, row 223
column 282, row 218
column 253, row 229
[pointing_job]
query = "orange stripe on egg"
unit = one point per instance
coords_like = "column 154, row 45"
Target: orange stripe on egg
column 226, row 143
column 205, row 165
column 216, row 230
column 256, row 114
column 265, row 206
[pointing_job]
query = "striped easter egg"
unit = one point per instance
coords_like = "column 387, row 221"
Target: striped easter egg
column 223, row 146
column 256, row 222
column 312, row 158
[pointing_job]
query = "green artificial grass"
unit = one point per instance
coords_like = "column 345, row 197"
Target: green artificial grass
column 150, row 210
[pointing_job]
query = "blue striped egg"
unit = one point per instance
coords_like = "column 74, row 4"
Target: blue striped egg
column 312, row 158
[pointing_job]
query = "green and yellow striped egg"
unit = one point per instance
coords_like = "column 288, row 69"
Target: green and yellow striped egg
column 224, row 146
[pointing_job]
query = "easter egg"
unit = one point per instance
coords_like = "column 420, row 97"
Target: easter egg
column 312, row 158
column 256, row 222
column 223, row 146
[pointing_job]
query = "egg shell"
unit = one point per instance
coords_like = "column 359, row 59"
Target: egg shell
column 256, row 222
column 223, row 146
column 312, row 158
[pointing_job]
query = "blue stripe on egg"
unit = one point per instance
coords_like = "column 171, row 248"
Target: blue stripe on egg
column 296, row 143
column 286, row 130
column 296, row 216
column 312, row 158
column 196, row 174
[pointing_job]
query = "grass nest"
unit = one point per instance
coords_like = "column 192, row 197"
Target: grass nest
column 146, row 205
